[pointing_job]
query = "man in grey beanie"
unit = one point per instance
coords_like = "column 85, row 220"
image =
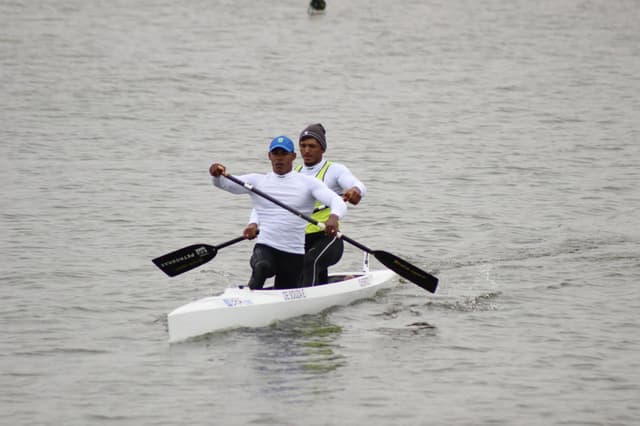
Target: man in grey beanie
column 322, row 251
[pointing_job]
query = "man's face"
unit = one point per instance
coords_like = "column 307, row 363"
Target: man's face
column 311, row 151
column 281, row 161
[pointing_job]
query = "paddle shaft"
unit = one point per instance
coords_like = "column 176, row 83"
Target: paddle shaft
column 402, row 267
column 294, row 211
column 273, row 200
column 230, row 242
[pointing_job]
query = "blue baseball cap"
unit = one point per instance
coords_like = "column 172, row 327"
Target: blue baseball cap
column 282, row 142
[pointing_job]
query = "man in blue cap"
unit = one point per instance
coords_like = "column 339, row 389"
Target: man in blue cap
column 279, row 249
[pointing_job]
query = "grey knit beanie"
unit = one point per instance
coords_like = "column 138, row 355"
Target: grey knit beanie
column 317, row 132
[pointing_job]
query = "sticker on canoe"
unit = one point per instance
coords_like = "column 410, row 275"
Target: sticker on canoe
column 297, row 293
column 363, row 281
column 236, row 301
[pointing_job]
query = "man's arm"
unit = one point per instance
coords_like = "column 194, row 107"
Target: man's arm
column 217, row 171
column 251, row 231
column 353, row 189
column 322, row 193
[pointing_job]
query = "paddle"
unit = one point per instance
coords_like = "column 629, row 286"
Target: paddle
column 187, row 258
column 399, row 266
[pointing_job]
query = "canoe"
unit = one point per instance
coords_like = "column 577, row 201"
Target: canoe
column 242, row 307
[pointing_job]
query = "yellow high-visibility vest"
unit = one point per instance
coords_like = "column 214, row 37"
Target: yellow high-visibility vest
column 321, row 215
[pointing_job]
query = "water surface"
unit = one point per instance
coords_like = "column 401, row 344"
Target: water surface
column 499, row 145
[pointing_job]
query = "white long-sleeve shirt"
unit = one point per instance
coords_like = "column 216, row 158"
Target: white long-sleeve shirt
column 280, row 228
column 337, row 177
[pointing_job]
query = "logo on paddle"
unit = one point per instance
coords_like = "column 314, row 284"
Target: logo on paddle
column 177, row 260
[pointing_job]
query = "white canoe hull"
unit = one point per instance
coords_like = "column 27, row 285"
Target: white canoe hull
column 242, row 307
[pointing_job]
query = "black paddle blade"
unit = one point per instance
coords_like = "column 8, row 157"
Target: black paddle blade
column 185, row 259
column 407, row 270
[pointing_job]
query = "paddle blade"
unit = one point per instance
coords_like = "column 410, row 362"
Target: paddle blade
column 407, row 270
column 185, row 259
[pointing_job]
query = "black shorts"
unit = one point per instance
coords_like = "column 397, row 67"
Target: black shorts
column 267, row 262
column 321, row 251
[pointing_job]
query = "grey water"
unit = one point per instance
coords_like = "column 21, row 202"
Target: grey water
column 500, row 145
